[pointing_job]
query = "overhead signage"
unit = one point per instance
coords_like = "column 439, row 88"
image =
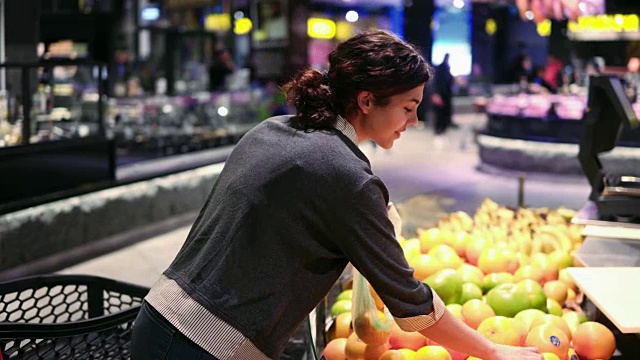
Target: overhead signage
column 605, row 27
column 217, row 22
column 319, row 28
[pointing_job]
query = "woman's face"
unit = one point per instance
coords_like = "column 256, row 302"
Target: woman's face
column 385, row 123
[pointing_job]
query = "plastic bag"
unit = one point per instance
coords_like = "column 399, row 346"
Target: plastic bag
column 371, row 324
column 372, row 321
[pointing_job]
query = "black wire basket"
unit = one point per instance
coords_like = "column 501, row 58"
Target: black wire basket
column 67, row 317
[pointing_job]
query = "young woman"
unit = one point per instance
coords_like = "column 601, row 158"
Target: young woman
column 296, row 202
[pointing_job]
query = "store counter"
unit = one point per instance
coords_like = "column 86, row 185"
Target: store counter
column 612, row 290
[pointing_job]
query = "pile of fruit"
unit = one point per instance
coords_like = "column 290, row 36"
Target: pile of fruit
column 503, row 273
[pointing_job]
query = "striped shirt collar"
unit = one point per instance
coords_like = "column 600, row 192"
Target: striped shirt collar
column 346, row 128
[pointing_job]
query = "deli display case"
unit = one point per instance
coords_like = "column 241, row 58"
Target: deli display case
column 53, row 137
column 541, row 133
column 61, row 135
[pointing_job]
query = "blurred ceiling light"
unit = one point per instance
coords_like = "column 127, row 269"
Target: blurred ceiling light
column 352, row 16
column 458, row 4
column 223, row 111
column 242, row 26
column 238, row 15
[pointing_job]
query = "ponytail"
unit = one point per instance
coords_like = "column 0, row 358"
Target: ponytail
column 309, row 92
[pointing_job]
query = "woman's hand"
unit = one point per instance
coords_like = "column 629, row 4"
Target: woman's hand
column 504, row 352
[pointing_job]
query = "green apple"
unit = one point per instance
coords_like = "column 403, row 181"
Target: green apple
column 447, row 283
column 470, row 291
column 573, row 319
column 471, row 274
column 411, row 248
column 537, row 298
column 553, row 307
column 345, row 295
column 341, row 306
column 508, row 299
column 492, row 280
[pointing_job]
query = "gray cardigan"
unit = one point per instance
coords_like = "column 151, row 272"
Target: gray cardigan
column 288, row 212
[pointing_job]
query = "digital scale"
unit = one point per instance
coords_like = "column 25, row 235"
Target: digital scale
column 608, row 114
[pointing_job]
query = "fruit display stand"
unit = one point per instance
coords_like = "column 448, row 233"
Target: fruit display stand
column 504, row 272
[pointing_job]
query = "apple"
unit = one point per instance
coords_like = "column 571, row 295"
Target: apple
column 447, row 283
column 537, row 297
column 471, row 274
column 492, row 280
column 345, row 295
column 470, row 291
column 573, row 319
column 411, row 248
column 553, row 307
column 341, row 306
column 508, row 299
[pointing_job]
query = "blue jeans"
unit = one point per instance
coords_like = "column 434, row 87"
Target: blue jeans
column 154, row 338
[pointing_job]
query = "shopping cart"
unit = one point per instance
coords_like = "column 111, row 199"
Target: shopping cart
column 67, row 317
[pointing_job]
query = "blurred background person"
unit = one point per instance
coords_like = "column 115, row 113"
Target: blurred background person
column 442, row 97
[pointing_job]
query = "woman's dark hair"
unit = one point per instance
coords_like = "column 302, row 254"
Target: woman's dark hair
column 374, row 61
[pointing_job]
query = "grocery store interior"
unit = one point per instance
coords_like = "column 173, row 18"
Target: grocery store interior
column 117, row 117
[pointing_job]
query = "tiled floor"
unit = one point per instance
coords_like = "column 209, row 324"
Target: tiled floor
column 425, row 174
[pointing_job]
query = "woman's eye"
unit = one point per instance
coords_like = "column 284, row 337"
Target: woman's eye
column 408, row 110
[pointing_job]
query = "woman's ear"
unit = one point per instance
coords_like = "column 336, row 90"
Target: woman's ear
column 365, row 101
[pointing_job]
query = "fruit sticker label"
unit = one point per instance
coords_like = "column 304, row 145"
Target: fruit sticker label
column 574, row 357
column 555, row 341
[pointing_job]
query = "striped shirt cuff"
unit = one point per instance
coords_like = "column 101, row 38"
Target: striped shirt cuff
column 421, row 322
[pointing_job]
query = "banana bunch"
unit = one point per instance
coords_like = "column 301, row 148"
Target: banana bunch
column 527, row 231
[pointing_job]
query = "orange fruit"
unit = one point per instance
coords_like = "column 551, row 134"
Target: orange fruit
column 555, row 321
column 592, row 340
column 393, row 355
column 341, row 327
column 335, row 349
column 475, row 311
column 368, row 332
column 500, row 330
column 376, row 298
column 548, row 338
column 433, row 352
column 358, row 349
